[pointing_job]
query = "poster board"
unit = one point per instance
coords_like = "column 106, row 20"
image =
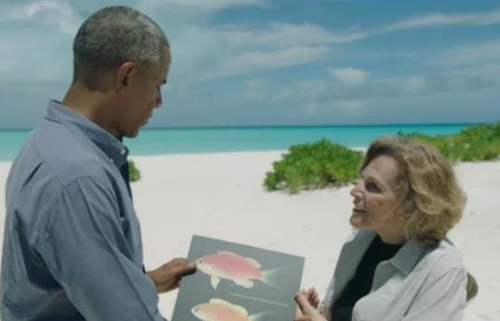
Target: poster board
column 238, row 282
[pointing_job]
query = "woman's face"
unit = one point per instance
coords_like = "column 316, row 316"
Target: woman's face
column 375, row 202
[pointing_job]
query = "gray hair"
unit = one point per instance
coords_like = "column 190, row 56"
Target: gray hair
column 112, row 36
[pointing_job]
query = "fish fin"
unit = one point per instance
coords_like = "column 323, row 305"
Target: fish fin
column 269, row 277
column 261, row 316
column 237, row 308
column 253, row 262
column 246, row 283
column 228, row 253
column 214, row 281
column 220, row 301
column 240, row 310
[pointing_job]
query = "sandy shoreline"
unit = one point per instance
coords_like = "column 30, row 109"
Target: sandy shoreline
column 221, row 195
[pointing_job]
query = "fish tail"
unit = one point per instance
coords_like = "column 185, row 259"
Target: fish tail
column 270, row 277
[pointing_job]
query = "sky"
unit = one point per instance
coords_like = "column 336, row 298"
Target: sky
column 286, row 62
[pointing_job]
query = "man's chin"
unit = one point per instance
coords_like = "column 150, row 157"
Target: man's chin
column 132, row 134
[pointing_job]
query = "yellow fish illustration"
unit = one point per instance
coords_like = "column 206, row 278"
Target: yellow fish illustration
column 221, row 310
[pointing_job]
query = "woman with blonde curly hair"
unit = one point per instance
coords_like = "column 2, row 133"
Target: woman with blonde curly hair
column 398, row 265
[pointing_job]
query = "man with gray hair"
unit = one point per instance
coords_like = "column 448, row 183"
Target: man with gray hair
column 72, row 245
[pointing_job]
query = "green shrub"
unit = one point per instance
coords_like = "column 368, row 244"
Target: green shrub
column 324, row 164
column 133, row 172
column 476, row 143
column 314, row 165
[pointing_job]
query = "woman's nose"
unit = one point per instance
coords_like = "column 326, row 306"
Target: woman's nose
column 356, row 191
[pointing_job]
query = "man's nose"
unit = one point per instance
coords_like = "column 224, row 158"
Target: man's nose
column 158, row 101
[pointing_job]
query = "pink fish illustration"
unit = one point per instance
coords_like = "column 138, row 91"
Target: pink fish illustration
column 231, row 266
column 221, row 310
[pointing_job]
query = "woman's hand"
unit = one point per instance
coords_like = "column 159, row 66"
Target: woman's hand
column 313, row 297
column 307, row 306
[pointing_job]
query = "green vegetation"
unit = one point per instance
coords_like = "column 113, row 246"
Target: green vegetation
column 133, row 172
column 314, row 165
column 325, row 164
column 476, row 143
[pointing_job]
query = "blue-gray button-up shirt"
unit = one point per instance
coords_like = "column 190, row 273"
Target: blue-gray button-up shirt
column 72, row 245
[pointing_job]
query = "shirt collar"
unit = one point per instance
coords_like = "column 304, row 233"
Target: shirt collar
column 404, row 260
column 110, row 145
column 408, row 256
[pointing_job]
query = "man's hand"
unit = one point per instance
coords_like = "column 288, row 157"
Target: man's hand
column 306, row 310
column 168, row 276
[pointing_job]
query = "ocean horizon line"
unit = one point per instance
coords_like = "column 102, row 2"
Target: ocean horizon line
column 437, row 124
column 160, row 141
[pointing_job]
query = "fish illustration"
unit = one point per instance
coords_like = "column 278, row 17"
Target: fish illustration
column 231, row 266
column 221, row 310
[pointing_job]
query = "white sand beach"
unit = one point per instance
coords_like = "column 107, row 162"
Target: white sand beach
column 221, row 196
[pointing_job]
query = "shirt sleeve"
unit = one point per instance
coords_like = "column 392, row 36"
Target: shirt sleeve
column 442, row 299
column 86, row 251
column 325, row 304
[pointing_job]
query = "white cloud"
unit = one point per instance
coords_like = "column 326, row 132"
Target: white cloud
column 253, row 61
column 201, row 51
column 205, row 4
column 311, row 109
column 277, row 35
column 351, row 107
column 470, row 66
column 346, row 96
column 470, row 54
column 254, row 92
column 349, row 75
column 38, row 54
column 48, row 12
column 39, row 36
column 488, row 71
column 286, row 34
column 255, row 87
column 438, row 19
column 248, row 49
column 413, row 84
column 346, row 108
column 189, row 9
column 306, row 91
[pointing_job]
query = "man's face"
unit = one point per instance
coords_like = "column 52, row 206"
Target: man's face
column 141, row 97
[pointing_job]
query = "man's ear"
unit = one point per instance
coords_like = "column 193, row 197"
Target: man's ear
column 122, row 76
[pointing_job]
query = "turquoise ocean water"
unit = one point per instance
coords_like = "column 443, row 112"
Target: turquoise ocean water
column 206, row 140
